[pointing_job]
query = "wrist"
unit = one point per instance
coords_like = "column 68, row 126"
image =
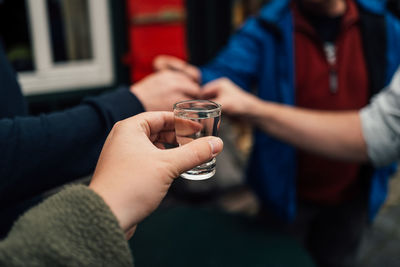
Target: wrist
column 253, row 107
column 261, row 112
column 135, row 90
column 117, row 207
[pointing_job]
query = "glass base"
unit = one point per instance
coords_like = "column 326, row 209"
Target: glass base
column 202, row 172
column 198, row 177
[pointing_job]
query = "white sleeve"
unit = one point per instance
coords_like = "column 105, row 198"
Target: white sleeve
column 381, row 125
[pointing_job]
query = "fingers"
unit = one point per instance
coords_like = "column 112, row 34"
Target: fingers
column 210, row 92
column 179, row 82
column 195, row 153
column 163, row 62
column 185, row 127
column 212, row 89
column 151, row 123
column 186, row 86
column 168, row 137
column 193, row 72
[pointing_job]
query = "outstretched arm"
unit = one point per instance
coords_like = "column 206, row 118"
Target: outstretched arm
column 333, row 134
column 68, row 143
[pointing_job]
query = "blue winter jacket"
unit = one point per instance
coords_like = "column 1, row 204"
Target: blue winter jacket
column 262, row 54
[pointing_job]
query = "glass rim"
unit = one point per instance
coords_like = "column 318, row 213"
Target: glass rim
column 217, row 106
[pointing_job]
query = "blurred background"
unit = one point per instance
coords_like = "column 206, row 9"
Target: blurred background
column 65, row 50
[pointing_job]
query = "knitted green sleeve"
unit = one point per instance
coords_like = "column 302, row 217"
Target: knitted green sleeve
column 72, row 228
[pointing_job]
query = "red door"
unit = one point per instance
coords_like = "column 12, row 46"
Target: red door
column 155, row 27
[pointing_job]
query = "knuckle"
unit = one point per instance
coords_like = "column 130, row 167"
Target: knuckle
column 118, row 126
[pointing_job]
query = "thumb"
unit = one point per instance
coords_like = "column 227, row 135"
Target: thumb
column 196, row 152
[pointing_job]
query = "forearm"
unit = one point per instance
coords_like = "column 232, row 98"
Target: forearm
column 74, row 227
column 35, row 148
column 332, row 134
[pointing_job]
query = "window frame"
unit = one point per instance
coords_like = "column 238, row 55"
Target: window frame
column 51, row 77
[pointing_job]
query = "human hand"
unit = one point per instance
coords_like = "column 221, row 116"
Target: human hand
column 234, row 100
column 161, row 90
column 133, row 173
column 165, row 62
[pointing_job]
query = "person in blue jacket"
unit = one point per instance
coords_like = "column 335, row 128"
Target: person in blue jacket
column 41, row 152
column 328, row 55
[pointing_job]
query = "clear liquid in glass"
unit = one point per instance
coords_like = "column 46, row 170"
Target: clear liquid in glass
column 193, row 124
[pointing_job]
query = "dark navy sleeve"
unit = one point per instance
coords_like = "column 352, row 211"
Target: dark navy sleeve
column 240, row 59
column 66, row 145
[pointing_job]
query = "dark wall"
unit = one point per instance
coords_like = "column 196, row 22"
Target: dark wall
column 209, row 27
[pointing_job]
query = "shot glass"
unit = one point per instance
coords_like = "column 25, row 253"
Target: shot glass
column 195, row 119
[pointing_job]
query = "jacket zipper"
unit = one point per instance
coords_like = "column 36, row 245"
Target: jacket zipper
column 331, row 58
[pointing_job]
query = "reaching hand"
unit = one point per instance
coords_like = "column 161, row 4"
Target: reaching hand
column 234, row 100
column 164, row 62
column 133, row 173
column 161, row 90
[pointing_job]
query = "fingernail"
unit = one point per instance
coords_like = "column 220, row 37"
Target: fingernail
column 216, row 145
